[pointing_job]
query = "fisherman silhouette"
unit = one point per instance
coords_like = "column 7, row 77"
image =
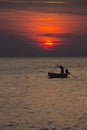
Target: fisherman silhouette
column 62, row 68
column 67, row 72
column 63, row 73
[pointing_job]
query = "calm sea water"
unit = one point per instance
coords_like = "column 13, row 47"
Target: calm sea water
column 31, row 101
column 34, row 65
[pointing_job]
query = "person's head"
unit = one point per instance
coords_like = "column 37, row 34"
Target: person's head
column 67, row 71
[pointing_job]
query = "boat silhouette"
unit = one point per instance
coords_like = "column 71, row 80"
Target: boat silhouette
column 59, row 75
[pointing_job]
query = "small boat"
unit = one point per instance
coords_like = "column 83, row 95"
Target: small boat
column 62, row 74
column 57, row 75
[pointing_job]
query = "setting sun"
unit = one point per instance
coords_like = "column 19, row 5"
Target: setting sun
column 48, row 43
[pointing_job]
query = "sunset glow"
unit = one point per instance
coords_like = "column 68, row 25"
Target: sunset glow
column 48, row 44
column 43, row 24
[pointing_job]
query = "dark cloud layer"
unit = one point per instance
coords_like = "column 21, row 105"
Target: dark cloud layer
column 17, row 46
column 69, row 6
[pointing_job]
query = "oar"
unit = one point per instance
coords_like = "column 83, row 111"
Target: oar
column 54, row 68
column 72, row 75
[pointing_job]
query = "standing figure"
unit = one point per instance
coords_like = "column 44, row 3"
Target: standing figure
column 67, row 71
column 62, row 68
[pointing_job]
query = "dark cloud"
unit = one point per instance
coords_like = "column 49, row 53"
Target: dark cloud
column 61, row 35
column 69, row 6
column 70, row 38
column 19, row 46
column 13, row 45
column 77, row 2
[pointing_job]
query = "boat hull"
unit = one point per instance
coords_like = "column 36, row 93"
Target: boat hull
column 57, row 75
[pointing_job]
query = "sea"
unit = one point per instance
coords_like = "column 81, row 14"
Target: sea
column 29, row 100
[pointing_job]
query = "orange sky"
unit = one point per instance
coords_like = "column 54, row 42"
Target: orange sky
column 38, row 24
column 61, row 25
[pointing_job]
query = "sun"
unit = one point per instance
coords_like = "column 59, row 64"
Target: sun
column 48, row 44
